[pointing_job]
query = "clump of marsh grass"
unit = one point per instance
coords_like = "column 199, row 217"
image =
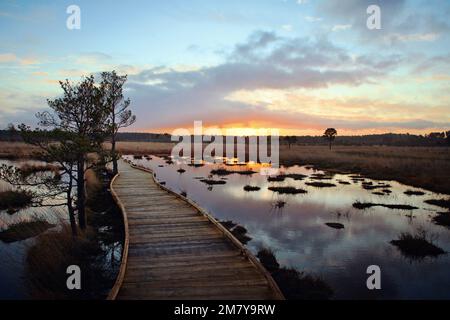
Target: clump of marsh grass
column 296, row 176
column 414, row 193
column 443, row 203
column 249, row 188
column 196, row 165
column 212, row 182
column 417, row 246
column 287, row 190
column 321, row 176
column 267, row 257
column 48, row 258
column 278, row 178
column 225, row 172
column 239, row 232
column 294, row 284
column 137, row 157
column 319, row 184
column 335, row 225
column 442, row 219
column 23, row 230
column 371, row 186
column 12, row 200
column 181, row 171
column 366, row 205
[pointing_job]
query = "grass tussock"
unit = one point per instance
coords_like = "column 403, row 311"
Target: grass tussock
column 287, row 190
column 414, row 193
column 24, row 230
column 249, row 188
column 366, row 205
column 321, row 176
column 47, row 261
column 417, row 246
column 212, row 182
column 335, row 225
column 239, row 232
column 372, row 186
column 443, row 203
column 294, row 284
column 296, row 176
column 226, row 172
column 442, row 219
column 319, row 184
column 267, row 258
column 278, row 178
column 12, row 200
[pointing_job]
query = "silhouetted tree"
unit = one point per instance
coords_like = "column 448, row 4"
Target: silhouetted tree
column 118, row 114
column 12, row 131
column 330, row 134
column 81, row 118
column 291, row 140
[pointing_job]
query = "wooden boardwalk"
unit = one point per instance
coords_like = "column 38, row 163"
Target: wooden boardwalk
column 177, row 252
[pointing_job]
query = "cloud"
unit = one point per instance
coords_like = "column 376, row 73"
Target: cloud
column 313, row 19
column 265, row 61
column 340, row 27
column 428, row 37
column 287, row 27
column 91, row 58
column 401, row 21
column 11, row 58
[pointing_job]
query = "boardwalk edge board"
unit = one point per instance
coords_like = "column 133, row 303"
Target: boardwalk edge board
column 123, row 264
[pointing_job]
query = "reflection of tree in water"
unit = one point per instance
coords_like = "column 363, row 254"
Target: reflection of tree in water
column 97, row 251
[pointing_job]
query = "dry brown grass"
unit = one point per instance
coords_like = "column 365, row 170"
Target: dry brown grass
column 143, row 148
column 424, row 167
column 16, row 150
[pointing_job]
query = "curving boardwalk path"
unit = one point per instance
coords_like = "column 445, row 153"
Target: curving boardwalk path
column 176, row 252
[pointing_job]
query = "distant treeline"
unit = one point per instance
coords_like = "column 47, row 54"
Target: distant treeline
column 388, row 139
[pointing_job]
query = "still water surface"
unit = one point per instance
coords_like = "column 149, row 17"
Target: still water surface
column 300, row 238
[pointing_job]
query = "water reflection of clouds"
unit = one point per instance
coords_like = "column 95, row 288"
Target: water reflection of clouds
column 300, row 238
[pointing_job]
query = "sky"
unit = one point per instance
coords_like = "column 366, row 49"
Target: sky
column 300, row 66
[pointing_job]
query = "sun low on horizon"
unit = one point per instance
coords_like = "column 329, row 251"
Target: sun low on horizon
column 295, row 66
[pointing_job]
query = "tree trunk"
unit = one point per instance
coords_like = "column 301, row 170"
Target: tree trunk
column 73, row 222
column 330, row 144
column 81, row 194
column 114, row 155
